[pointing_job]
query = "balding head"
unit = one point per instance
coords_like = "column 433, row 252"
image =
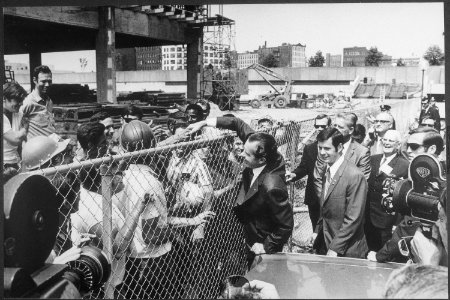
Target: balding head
column 391, row 142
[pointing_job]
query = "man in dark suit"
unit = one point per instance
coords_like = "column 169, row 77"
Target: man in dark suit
column 306, row 167
column 262, row 204
column 432, row 112
column 352, row 151
column 342, row 201
column 378, row 226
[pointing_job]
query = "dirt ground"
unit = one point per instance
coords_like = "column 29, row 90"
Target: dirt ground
column 247, row 113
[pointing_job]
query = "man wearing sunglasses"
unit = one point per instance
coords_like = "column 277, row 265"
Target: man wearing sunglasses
column 382, row 123
column 420, row 140
column 306, row 167
column 430, row 111
column 378, row 226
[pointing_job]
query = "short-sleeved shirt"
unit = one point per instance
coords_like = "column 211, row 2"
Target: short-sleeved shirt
column 191, row 166
column 10, row 154
column 139, row 180
column 89, row 214
column 39, row 111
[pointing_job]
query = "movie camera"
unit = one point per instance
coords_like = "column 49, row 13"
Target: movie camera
column 31, row 225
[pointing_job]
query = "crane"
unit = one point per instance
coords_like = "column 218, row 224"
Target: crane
column 281, row 96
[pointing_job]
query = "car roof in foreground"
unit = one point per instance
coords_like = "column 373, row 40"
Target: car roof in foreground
column 303, row 276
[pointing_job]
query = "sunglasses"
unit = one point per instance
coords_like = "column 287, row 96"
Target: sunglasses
column 382, row 121
column 320, row 126
column 427, row 125
column 413, row 146
column 232, row 286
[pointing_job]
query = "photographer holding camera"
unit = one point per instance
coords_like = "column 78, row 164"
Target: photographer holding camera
column 421, row 199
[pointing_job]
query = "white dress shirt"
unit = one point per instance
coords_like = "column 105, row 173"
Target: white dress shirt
column 256, row 172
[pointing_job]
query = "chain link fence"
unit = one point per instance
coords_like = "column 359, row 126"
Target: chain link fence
column 164, row 215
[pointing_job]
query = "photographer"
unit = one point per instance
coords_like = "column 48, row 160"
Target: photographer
column 422, row 140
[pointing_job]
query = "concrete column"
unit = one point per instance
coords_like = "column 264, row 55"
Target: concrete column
column 194, row 62
column 35, row 61
column 105, row 53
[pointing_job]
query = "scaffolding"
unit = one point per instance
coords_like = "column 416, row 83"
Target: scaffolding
column 219, row 84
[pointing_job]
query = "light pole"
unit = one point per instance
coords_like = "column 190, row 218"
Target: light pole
column 423, row 65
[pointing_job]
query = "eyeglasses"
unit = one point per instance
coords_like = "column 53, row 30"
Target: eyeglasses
column 320, row 126
column 413, row 146
column 232, row 286
column 382, row 121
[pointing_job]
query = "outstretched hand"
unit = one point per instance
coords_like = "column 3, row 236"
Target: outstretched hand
column 266, row 290
column 204, row 217
column 193, row 128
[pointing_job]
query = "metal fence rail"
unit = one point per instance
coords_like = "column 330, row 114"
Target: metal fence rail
column 168, row 251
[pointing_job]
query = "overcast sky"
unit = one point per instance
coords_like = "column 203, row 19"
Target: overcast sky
column 397, row 29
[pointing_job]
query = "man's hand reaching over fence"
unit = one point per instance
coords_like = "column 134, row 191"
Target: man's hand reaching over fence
column 193, row 128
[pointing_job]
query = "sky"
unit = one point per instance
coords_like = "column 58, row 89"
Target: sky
column 397, row 29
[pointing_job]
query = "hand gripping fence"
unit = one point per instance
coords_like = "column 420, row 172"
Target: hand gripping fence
column 164, row 215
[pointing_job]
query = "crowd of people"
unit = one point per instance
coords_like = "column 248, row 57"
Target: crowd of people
column 162, row 203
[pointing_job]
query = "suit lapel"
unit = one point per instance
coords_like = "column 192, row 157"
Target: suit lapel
column 335, row 180
column 253, row 189
column 350, row 151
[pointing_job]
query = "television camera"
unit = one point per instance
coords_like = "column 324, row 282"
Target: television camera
column 421, row 195
column 31, row 225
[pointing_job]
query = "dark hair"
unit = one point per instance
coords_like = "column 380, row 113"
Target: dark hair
column 359, row 133
column 267, row 147
column 132, row 110
column 100, row 116
column 90, row 133
column 333, row 133
column 41, row 69
column 432, row 137
column 174, row 124
column 229, row 116
column 351, row 118
column 13, row 90
column 197, row 108
column 207, row 107
column 323, row 116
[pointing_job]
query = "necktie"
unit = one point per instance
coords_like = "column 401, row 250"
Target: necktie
column 250, row 178
column 327, row 181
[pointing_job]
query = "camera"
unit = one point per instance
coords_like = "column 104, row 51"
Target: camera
column 31, row 225
column 421, row 195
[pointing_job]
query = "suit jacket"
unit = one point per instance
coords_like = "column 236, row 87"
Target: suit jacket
column 342, row 212
column 306, row 167
column 433, row 113
column 264, row 207
column 356, row 153
column 374, row 212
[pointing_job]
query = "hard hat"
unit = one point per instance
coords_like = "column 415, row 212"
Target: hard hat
column 39, row 150
column 136, row 135
column 190, row 195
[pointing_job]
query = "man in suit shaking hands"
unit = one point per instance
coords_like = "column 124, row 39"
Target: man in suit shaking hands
column 390, row 163
column 262, row 204
column 342, row 201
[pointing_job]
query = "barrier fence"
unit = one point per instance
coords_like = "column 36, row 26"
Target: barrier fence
column 164, row 215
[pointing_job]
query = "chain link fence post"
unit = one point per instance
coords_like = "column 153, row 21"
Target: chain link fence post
column 107, row 239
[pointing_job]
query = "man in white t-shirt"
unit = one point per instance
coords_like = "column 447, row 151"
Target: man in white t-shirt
column 14, row 130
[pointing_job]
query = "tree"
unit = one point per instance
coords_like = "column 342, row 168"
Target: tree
column 400, row 63
column 269, row 61
column 317, row 60
column 374, row 57
column 434, row 56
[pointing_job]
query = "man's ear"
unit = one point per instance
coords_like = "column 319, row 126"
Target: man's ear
column 352, row 129
column 340, row 147
column 431, row 150
column 35, row 80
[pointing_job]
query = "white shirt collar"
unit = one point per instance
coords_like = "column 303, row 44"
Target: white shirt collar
column 336, row 165
column 346, row 146
column 256, row 172
column 388, row 159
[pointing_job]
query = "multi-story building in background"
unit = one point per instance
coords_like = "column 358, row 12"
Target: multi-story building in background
column 286, row 55
column 411, row 61
column 17, row 68
column 333, row 60
column 355, row 56
column 386, row 60
column 247, row 59
column 148, row 58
